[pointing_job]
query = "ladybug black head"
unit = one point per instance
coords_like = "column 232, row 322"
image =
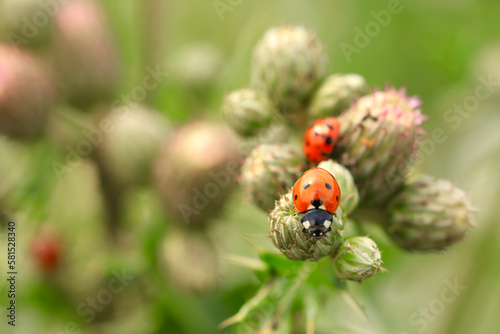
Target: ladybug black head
column 317, row 232
column 317, row 223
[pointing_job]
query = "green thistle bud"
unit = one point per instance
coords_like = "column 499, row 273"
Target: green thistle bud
column 247, row 111
column 288, row 63
column 429, row 214
column 349, row 198
column 189, row 259
column 196, row 65
column 357, row 259
column 132, row 143
column 196, row 170
column 286, row 233
column 27, row 94
column 270, row 170
column 378, row 137
column 337, row 93
column 85, row 55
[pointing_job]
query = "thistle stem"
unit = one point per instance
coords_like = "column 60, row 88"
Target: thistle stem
column 153, row 33
column 291, row 290
column 113, row 199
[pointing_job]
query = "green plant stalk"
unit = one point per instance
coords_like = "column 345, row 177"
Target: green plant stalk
column 178, row 305
column 153, row 22
column 252, row 305
column 483, row 258
column 113, row 199
column 33, row 194
column 291, row 292
column 272, row 302
column 311, row 310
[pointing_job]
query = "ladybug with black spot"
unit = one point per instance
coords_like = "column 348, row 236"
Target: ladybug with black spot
column 320, row 139
column 316, row 194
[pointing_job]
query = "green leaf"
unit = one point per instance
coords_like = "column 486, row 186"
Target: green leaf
column 324, row 275
column 279, row 264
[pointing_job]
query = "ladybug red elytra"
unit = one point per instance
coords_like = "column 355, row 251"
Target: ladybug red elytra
column 317, row 194
column 47, row 253
column 320, row 139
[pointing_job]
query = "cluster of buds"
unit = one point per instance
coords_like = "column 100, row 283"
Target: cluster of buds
column 369, row 156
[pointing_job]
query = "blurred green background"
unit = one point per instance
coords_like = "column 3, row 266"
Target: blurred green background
column 432, row 47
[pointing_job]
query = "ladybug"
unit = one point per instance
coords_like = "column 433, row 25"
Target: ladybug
column 320, row 139
column 46, row 252
column 317, row 194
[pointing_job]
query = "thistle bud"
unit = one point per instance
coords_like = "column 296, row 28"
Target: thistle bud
column 86, row 57
column 26, row 94
column 349, row 198
column 270, row 170
column 189, row 259
column 247, row 111
column 131, row 143
column 196, row 170
column 288, row 63
column 378, row 138
column 357, row 259
column 197, row 64
column 336, row 93
column 287, row 235
column 429, row 214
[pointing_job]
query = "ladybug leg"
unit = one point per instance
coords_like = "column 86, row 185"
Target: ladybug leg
column 368, row 116
column 364, row 119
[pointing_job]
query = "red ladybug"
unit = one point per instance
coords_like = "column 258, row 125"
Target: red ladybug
column 317, row 194
column 320, row 139
column 46, row 252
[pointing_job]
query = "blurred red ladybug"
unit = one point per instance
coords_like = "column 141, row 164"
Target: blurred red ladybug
column 46, row 252
column 320, row 139
column 317, row 194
